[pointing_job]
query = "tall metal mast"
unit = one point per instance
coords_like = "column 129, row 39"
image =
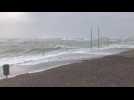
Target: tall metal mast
column 98, row 30
column 91, row 38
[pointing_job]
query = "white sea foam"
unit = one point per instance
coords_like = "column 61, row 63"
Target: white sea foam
column 53, row 56
column 53, row 60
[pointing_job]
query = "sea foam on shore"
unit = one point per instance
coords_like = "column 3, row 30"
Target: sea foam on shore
column 56, row 59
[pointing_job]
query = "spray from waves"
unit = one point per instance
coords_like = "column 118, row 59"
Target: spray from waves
column 16, row 51
column 27, row 55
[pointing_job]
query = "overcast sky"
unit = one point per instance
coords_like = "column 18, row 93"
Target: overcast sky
column 65, row 24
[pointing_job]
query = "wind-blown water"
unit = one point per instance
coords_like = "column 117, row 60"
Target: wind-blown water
column 27, row 55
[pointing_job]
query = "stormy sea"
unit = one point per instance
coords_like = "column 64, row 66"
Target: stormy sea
column 35, row 55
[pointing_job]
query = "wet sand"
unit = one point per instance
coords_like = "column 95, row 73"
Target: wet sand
column 113, row 71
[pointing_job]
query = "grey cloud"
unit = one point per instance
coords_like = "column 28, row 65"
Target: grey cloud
column 67, row 24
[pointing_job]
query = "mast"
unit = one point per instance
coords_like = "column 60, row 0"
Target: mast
column 98, row 30
column 91, row 38
column 101, row 39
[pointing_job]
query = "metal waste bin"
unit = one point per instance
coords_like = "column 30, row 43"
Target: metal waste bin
column 6, row 70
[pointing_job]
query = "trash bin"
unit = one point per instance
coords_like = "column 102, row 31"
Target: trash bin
column 6, row 70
